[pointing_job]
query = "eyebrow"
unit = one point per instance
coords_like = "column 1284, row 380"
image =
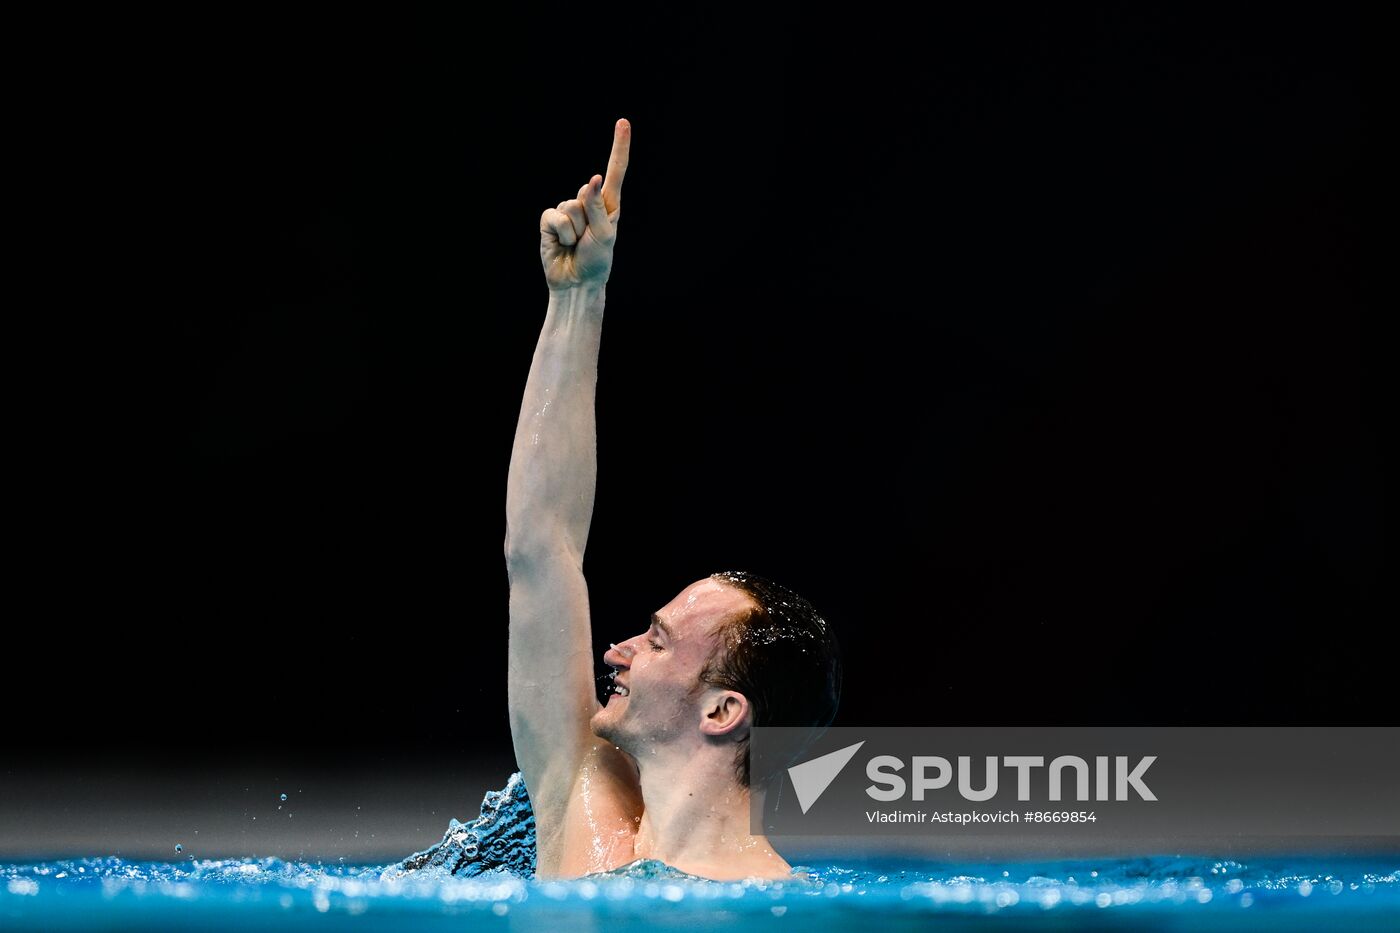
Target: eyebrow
column 660, row 623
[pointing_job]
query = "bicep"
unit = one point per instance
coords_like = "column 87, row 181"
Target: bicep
column 550, row 690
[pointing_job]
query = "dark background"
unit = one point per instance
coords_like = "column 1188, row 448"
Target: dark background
column 1030, row 346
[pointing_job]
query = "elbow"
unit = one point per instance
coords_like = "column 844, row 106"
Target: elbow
column 516, row 556
column 525, row 551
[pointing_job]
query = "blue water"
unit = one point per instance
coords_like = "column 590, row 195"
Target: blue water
column 1142, row 894
column 479, row 877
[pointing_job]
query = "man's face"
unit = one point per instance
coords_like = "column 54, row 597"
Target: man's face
column 659, row 668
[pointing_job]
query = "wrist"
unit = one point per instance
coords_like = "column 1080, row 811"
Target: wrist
column 579, row 296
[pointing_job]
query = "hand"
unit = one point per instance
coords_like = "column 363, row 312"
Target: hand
column 576, row 238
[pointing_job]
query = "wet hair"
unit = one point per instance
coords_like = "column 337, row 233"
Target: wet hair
column 784, row 658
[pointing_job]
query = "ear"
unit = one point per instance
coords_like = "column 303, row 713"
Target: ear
column 726, row 713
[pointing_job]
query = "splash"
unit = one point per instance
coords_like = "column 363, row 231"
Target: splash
column 502, row 838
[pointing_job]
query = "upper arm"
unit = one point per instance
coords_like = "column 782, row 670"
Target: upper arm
column 551, row 696
column 549, row 664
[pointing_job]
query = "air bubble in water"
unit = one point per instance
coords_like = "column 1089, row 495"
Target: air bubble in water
column 284, row 797
column 179, row 848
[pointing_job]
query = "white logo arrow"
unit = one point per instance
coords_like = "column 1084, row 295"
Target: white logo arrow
column 811, row 778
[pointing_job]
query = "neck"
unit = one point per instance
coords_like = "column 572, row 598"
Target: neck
column 695, row 818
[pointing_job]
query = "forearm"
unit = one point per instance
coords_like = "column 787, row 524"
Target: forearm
column 554, row 461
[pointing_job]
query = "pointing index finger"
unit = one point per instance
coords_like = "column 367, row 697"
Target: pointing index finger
column 617, row 164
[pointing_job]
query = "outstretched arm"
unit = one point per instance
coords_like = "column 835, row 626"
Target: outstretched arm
column 554, row 463
column 549, row 507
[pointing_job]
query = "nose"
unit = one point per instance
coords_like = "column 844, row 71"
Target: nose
column 618, row 657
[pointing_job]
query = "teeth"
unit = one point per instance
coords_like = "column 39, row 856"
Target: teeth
column 622, row 691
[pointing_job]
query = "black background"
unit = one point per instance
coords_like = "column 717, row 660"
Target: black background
column 1030, row 346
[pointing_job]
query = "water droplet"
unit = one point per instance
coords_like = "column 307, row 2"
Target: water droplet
column 284, row 796
column 179, row 848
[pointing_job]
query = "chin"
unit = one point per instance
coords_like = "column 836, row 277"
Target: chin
column 600, row 725
column 605, row 726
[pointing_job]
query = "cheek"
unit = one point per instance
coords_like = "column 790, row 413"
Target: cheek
column 662, row 674
column 679, row 675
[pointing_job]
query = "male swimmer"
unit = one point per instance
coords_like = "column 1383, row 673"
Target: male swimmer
column 661, row 771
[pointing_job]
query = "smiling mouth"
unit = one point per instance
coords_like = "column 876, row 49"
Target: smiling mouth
column 615, row 688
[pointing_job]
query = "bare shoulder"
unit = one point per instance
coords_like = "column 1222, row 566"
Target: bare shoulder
column 594, row 827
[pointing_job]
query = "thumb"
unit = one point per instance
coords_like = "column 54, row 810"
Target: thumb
column 595, row 208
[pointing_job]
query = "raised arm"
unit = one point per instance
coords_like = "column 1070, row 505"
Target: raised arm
column 549, row 506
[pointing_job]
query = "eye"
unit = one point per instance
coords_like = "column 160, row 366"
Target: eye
column 655, row 645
